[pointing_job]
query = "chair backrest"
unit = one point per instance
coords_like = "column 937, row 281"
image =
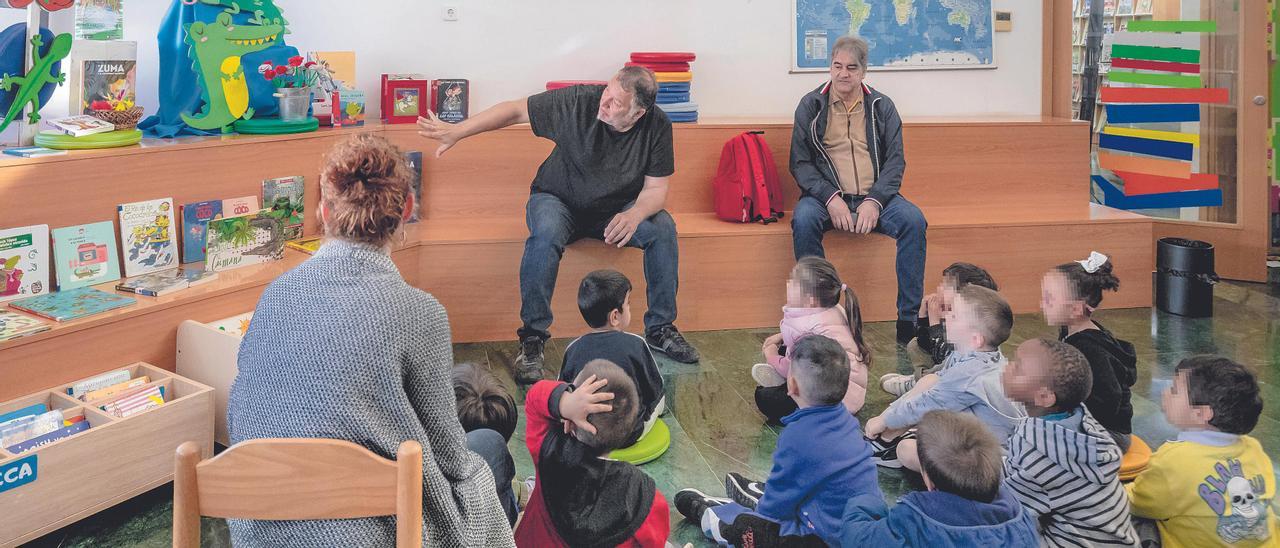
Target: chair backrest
column 297, row 479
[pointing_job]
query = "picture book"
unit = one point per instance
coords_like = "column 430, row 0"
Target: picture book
column 99, row 19
column 80, row 125
column 1143, row 7
column 64, row 432
column 164, row 282
column 14, row 325
column 28, row 411
column 351, row 107
column 33, row 152
column 107, row 83
column 338, row 68
column 98, row 382
column 146, row 236
column 450, row 99
column 29, row 427
column 85, row 255
column 197, row 276
column 73, row 304
column 283, row 198
column 306, row 245
column 195, row 221
column 1124, row 7
column 414, row 159
column 103, row 393
column 236, row 207
column 24, row 262
column 404, row 98
column 135, row 401
column 242, row 241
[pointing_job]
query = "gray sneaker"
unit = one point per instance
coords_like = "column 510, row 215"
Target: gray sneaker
column 529, row 362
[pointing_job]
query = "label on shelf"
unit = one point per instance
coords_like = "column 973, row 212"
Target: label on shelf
column 18, row 473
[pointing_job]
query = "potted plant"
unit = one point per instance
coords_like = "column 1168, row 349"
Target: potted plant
column 293, row 86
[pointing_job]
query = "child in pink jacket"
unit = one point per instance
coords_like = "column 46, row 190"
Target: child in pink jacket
column 813, row 308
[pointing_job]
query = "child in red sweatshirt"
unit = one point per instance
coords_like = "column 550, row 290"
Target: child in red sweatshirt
column 579, row 498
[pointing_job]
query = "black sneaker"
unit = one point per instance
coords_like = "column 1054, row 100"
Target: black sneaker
column 668, row 340
column 906, row 331
column 529, row 362
column 692, row 503
column 885, row 452
column 742, row 490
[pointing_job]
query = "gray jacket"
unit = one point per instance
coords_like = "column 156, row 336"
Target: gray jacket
column 967, row 383
column 811, row 166
column 341, row 347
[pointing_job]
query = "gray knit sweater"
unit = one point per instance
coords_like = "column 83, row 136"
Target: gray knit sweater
column 342, row 347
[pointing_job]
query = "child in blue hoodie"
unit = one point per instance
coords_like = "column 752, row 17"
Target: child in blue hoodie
column 966, row 504
column 821, row 460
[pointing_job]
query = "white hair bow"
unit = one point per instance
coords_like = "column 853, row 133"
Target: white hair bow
column 1094, row 262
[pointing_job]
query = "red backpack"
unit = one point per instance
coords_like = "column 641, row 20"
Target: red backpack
column 746, row 186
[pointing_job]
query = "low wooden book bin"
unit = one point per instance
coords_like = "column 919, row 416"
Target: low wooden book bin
column 297, row 479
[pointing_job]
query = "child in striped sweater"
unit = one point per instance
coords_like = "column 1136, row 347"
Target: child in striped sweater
column 1064, row 466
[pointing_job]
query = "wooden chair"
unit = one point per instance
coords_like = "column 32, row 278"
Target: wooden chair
column 297, row 479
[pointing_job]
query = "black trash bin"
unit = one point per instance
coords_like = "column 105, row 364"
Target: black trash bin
column 1185, row 277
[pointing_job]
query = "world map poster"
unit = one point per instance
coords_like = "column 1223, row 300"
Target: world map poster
column 903, row 34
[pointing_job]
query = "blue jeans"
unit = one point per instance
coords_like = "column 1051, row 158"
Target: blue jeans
column 552, row 226
column 492, row 447
column 900, row 220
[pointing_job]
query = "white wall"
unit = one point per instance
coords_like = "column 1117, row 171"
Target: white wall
column 509, row 48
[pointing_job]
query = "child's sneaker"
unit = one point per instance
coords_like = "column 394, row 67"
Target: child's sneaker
column 766, row 376
column 885, row 453
column 692, row 503
column 896, row 384
column 742, row 490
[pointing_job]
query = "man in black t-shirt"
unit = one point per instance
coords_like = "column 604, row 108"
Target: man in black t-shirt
column 607, row 178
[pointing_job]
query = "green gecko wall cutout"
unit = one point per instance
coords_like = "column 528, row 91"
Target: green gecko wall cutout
column 216, row 49
column 29, row 86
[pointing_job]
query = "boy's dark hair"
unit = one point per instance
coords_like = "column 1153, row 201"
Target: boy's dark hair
column 600, row 293
column 970, row 274
column 614, row 427
column 992, row 314
column 1228, row 388
column 1089, row 287
column 960, row 455
column 1070, row 377
column 483, row 402
column 819, row 279
column 821, row 368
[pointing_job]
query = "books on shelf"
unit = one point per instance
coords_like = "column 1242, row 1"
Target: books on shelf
column 65, row 432
column 135, row 401
column 14, row 325
column 118, row 388
column 73, row 304
column 306, row 245
column 283, row 198
column 405, row 97
column 98, row 382
column 99, row 19
column 33, row 409
column 80, row 125
column 33, row 152
column 195, row 222
column 337, row 72
column 165, row 282
column 414, row 159
column 350, row 108
column 450, row 99
column 146, row 236
column 101, row 71
column 24, row 262
column 242, row 241
column 236, row 207
column 85, row 255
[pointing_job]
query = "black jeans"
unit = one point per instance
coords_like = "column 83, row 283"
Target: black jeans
column 774, row 402
column 492, row 447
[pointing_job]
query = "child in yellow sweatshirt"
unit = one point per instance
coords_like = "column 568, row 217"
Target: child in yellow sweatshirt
column 1214, row 485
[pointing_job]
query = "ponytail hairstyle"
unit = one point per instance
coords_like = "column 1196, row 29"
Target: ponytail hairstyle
column 366, row 187
column 1087, row 279
column 819, row 279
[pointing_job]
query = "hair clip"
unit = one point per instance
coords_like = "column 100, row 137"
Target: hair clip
column 1094, row 262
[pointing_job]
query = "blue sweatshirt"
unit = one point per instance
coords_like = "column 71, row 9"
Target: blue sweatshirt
column 821, row 460
column 935, row 519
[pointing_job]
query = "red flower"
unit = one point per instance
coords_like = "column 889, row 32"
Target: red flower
column 100, row 105
column 281, row 71
column 309, row 64
column 296, row 61
column 269, row 75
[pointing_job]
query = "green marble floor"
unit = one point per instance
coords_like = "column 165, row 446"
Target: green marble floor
column 716, row 429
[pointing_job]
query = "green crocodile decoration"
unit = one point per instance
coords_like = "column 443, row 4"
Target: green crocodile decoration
column 37, row 78
column 217, row 48
column 264, row 12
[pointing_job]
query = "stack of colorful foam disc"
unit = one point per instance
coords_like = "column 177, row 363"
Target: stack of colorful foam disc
column 557, row 84
column 674, row 77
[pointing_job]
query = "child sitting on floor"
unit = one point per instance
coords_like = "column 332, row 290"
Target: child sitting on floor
column 579, row 498
column 965, row 504
column 820, row 461
column 604, row 298
column 930, row 347
column 1071, row 294
column 1214, row 485
column 969, row 381
column 1063, row 466
column 813, row 308
column 483, row 402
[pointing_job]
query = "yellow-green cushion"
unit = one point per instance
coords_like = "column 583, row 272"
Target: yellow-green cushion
column 110, row 139
column 274, row 126
column 650, row 447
